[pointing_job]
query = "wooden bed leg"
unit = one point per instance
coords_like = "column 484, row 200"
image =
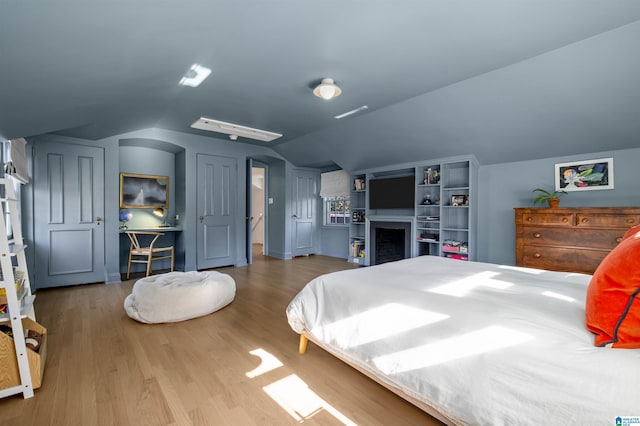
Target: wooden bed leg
column 303, row 344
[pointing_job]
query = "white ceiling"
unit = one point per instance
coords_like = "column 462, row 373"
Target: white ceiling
column 506, row 80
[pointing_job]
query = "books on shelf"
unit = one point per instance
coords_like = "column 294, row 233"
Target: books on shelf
column 357, row 248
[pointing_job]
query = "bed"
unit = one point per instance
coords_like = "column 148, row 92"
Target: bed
column 472, row 342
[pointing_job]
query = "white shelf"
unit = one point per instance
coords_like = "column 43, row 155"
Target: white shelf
column 18, row 300
column 15, row 249
column 27, row 304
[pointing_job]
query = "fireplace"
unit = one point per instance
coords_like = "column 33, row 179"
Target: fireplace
column 390, row 241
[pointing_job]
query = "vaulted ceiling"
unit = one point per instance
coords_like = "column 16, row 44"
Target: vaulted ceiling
column 505, row 80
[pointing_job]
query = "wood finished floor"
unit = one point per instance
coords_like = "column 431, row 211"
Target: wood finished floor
column 106, row 369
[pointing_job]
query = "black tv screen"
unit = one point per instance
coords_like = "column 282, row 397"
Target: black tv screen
column 392, row 193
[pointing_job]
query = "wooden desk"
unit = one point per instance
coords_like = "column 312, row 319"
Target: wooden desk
column 169, row 239
column 153, row 229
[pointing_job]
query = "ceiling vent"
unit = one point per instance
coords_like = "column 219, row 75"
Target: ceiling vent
column 204, row 123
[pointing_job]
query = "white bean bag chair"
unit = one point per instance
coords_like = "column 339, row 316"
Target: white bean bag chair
column 179, row 296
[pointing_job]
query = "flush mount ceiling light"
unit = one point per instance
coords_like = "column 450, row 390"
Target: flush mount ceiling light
column 196, row 75
column 234, row 130
column 327, row 89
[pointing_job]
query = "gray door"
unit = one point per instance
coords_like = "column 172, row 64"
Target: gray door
column 304, row 199
column 69, row 206
column 216, row 194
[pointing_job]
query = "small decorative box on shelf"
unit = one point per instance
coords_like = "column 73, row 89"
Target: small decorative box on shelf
column 428, row 237
column 453, row 249
column 456, row 256
column 358, row 216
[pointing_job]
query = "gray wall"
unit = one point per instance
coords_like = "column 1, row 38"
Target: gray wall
column 156, row 162
column 502, row 187
column 334, row 240
column 506, row 186
column 276, row 212
column 184, row 148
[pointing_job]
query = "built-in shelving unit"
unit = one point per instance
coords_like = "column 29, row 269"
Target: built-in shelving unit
column 428, row 198
column 357, row 239
column 456, row 202
column 22, row 363
column 444, row 217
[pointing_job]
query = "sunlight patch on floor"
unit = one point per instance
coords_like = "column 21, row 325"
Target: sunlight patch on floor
column 292, row 393
column 295, row 397
column 268, row 363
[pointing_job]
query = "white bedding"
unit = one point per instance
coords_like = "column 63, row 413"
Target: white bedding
column 481, row 343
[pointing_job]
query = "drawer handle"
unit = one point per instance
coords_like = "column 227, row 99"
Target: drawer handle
column 565, row 220
column 630, row 220
column 529, row 219
column 618, row 239
column 537, row 255
column 537, row 235
column 585, row 220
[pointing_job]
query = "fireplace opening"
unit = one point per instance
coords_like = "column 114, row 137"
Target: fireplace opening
column 390, row 241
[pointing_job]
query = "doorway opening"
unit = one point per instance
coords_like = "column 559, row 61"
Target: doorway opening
column 258, row 211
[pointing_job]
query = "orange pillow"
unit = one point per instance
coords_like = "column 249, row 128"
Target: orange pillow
column 613, row 296
column 630, row 232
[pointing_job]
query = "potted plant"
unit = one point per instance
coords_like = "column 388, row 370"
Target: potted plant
column 552, row 198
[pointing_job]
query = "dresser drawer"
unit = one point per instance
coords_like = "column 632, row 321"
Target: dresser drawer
column 572, row 237
column 544, row 218
column 562, row 259
column 606, row 220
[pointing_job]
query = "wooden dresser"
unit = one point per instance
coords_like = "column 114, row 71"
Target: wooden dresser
column 570, row 239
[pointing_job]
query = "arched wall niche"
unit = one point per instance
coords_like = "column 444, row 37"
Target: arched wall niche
column 157, row 157
column 151, row 144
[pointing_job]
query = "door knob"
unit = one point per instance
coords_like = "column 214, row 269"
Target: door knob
column 201, row 218
column 98, row 219
column 294, row 216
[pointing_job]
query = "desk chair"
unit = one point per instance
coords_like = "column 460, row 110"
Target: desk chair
column 147, row 254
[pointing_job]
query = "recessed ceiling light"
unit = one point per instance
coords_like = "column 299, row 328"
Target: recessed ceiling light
column 196, row 75
column 353, row 111
column 236, row 130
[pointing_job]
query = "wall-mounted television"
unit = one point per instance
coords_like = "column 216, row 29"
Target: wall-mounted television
column 392, row 193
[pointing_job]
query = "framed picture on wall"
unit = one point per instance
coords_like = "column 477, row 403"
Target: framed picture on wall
column 143, row 191
column 585, row 175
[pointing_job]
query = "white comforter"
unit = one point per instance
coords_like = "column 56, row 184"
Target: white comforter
column 481, row 343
